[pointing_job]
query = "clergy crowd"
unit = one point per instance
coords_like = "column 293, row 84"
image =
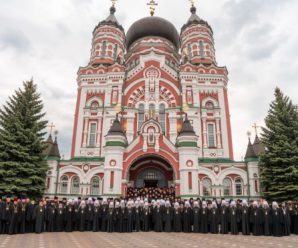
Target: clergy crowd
column 128, row 215
column 152, row 193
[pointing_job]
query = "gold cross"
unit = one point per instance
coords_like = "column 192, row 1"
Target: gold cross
column 51, row 126
column 192, row 3
column 152, row 4
column 114, row 2
column 255, row 127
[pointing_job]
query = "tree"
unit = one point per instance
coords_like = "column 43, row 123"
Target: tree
column 279, row 162
column 22, row 164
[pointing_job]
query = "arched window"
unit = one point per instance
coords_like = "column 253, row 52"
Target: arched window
column 75, row 185
column 92, row 135
column 256, row 183
column 162, row 117
column 211, row 135
column 64, row 185
column 94, row 105
column 94, row 186
column 239, row 186
column 206, row 187
column 141, row 115
column 227, row 186
column 103, row 49
column 151, row 110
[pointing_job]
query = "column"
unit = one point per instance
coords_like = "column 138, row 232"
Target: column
column 85, row 132
column 98, row 132
column 218, row 133
column 205, row 133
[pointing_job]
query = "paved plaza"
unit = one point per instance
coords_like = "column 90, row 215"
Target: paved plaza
column 162, row 240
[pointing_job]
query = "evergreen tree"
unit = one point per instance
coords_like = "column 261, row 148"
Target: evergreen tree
column 22, row 164
column 279, row 163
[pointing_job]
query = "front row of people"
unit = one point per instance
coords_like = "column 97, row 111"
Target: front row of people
column 159, row 216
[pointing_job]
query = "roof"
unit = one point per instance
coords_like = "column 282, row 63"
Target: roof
column 52, row 149
column 258, row 146
column 250, row 153
column 116, row 128
column 110, row 20
column 195, row 19
column 152, row 26
column 187, row 129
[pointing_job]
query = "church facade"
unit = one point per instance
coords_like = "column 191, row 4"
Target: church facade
column 152, row 110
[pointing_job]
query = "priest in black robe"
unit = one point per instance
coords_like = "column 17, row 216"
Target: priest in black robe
column 51, row 212
column 244, row 215
column 82, row 216
column 76, row 216
column 137, row 217
column 103, row 214
column 223, row 217
column 117, row 217
column 267, row 223
column 213, row 218
column 157, row 217
column 30, row 222
column 14, row 211
column 39, row 217
column 6, row 216
column 69, row 214
column 96, row 216
column 256, row 219
column 89, row 214
column 146, row 218
column 295, row 219
column 1, row 209
column 196, row 217
column 22, row 216
column 186, row 217
column 286, row 220
column 234, row 218
column 110, row 217
column 204, row 217
column 122, row 218
column 177, row 218
column 276, row 220
column 129, row 217
column 168, row 217
column 59, row 218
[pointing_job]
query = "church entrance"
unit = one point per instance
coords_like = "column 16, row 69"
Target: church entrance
column 150, row 173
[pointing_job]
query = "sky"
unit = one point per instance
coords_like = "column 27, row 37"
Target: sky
column 48, row 40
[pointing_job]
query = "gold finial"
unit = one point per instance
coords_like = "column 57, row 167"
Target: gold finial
column 192, row 3
column 152, row 4
column 114, row 2
column 255, row 126
column 51, row 126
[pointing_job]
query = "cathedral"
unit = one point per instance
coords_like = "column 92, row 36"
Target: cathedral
column 152, row 110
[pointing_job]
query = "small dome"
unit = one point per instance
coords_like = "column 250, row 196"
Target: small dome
column 152, row 26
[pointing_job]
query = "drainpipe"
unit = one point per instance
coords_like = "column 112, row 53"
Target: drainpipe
column 248, row 183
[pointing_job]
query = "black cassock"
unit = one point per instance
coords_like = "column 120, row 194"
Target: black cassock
column 110, row 220
column 256, row 219
column 129, row 219
column 76, row 218
column 117, row 217
column 267, row 222
column 22, row 218
column 1, row 209
column 30, row 223
column 89, row 217
column 177, row 220
column 13, row 218
column 186, row 219
column 5, row 218
column 213, row 220
column 69, row 214
column 157, row 219
column 59, row 219
column 50, row 216
column 39, row 217
column 122, row 221
column 96, row 219
column 295, row 222
column 82, row 219
column 167, row 218
column 137, row 219
column 196, row 219
column 276, row 222
column 146, row 220
column 234, row 219
column 286, row 222
column 103, row 214
column 245, row 224
column 223, row 220
column 204, row 220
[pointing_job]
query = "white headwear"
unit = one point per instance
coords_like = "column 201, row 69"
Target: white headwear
column 244, row 203
column 69, row 201
column 214, row 204
column 196, row 203
column 274, row 204
column 204, row 204
column 223, row 202
column 96, row 203
column 176, row 205
column 233, row 203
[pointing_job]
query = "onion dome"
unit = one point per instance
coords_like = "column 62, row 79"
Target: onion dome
column 116, row 128
column 152, row 26
column 187, row 129
column 195, row 19
column 110, row 20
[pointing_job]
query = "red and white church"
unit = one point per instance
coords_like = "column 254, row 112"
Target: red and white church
column 152, row 110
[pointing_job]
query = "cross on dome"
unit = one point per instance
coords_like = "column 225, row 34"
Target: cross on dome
column 152, row 5
column 255, row 127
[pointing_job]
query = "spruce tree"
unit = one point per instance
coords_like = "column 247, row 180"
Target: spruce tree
column 279, row 163
column 22, row 164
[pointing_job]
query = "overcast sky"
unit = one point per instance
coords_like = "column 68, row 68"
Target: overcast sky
column 48, row 40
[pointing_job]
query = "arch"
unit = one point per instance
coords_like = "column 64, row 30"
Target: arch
column 210, row 99
column 75, row 185
column 233, row 170
column 93, row 100
column 206, row 186
column 64, row 181
column 238, row 186
column 95, row 185
column 227, row 186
